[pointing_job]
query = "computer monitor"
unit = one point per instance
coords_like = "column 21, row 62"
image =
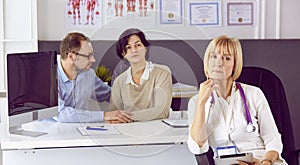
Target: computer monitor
column 31, row 89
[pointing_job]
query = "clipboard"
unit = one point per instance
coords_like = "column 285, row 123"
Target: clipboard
column 232, row 159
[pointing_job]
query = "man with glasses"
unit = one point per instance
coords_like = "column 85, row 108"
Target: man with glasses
column 78, row 84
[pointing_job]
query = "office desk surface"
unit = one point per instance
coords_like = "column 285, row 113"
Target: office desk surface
column 67, row 135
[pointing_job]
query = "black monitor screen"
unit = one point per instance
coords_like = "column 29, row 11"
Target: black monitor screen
column 31, row 81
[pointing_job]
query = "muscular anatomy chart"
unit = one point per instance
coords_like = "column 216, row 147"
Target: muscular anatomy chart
column 83, row 13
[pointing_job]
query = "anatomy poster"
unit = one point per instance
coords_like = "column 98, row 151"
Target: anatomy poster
column 83, row 14
column 129, row 12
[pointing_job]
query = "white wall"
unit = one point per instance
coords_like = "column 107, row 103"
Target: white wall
column 290, row 21
column 18, row 31
column 51, row 24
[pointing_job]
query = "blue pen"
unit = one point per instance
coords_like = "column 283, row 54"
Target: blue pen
column 96, row 128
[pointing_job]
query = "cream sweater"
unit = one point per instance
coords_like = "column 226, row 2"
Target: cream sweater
column 149, row 101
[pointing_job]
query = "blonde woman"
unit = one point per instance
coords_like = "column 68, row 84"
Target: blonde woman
column 229, row 114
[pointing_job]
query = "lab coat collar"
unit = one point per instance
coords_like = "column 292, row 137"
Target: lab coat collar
column 228, row 120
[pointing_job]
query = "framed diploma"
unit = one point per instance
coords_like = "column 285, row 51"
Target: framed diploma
column 240, row 13
column 205, row 13
column 171, row 12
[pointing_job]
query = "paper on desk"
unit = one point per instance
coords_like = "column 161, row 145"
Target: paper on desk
column 111, row 130
column 178, row 87
column 176, row 122
column 185, row 93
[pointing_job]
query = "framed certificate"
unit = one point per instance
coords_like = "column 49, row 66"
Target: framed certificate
column 171, row 12
column 205, row 13
column 240, row 13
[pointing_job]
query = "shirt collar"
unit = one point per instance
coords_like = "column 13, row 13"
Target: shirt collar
column 233, row 91
column 149, row 67
column 61, row 72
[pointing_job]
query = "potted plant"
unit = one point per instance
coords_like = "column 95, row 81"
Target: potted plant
column 104, row 73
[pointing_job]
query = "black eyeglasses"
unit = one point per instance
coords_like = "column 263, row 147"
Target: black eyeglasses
column 84, row 55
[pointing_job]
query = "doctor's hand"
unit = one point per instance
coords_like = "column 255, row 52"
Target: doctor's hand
column 218, row 78
column 219, row 86
column 117, row 116
column 242, row 163
column 204, row 92
column 255, row 162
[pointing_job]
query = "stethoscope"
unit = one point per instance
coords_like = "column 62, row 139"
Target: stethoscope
column 250, row 127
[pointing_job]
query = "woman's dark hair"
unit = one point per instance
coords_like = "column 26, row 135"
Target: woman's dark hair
column 124, row 37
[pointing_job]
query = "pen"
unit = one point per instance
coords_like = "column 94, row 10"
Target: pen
column 96, row 128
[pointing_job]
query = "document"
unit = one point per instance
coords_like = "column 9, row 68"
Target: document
column 106, row 129
column 176, row 123
column 205, row 13
column 171, row 12
column 177, row 87
column 184, row 90
column 240, row 13
column 183, row 94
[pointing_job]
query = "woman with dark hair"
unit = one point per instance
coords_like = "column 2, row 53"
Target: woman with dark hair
column 145, row 88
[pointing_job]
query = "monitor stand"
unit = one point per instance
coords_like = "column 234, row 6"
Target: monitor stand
column 19, row 131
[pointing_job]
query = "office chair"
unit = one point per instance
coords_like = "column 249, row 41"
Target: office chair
column 273, row 89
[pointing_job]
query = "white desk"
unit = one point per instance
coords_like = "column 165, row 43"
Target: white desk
column 139, row 143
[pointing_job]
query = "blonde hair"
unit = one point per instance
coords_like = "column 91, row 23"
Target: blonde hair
column 226, row 45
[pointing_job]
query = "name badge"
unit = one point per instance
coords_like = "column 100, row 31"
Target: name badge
column 227, row 150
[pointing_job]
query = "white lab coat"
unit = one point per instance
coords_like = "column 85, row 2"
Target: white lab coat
column 226, row 122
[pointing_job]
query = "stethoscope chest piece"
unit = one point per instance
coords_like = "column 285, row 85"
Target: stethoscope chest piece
column 250, row 128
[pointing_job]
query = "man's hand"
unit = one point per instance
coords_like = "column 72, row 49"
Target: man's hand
column 117, row 116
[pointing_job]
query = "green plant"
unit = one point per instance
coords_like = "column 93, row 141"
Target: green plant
column 103, row 73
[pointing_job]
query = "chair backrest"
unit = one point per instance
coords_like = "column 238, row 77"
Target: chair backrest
column 273, row 89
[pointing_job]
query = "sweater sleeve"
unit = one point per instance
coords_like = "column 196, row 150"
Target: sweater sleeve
column 116, row 102
column 162, row 98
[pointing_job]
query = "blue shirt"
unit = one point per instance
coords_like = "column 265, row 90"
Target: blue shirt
column 74, row 96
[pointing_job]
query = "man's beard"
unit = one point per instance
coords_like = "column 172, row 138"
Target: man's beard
column 78, row 70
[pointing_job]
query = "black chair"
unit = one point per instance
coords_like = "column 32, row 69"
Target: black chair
column 273, row 89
